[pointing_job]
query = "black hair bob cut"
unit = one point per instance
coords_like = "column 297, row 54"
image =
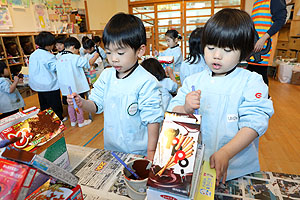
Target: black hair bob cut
column 44, row 39
column 60, row 39
column 87, row 44
column 72, row 41
column 96, row 38
column 153, row 66
column 230, row 28
column 2, row 67
column 124, row 30
column 173, row 34
column 195, row 46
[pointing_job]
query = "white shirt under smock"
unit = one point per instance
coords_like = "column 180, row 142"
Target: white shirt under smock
column 176, row 52
column 129, row 105
column 168, row 86
column 70, row 72
column 9, row 101
column 42, row 76
column 187, row 69
column 228, row 104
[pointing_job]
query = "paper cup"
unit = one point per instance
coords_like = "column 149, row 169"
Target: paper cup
column 137, row 188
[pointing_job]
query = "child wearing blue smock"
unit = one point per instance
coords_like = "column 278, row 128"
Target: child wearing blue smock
column 92, row 53
column 195, row 62
column 172, row 39
column 101, row 52
column 233, row 101
column 10, row 98
column 59, row 45
column 70, row 73
column 128, row 95
column 42, row 76
column 169, row 85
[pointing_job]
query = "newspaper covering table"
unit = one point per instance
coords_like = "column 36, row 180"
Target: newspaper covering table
column 100, row 179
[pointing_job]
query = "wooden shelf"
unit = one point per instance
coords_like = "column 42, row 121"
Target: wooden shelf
column 14, row 64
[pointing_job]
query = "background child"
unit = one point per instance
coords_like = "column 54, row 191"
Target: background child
column 81, row 50
column 172, row 39
column 233, row 101
column 92, row 53
column 10, row 98
column 70, row 73
column 101, row 52
column 169, row 85
column 42, row 76
column 59, row 45
column 195, row 62
column 127, row 93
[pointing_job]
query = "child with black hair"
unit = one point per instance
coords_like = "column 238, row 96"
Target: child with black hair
column 10, row 98
column 42, row 76
column 169, row 85
column 82, row 50
column 172, row 39
column 92, row 53
column 195, row 62
column 101, row 52
column 59, row 45
column 127, row 93
column 233, row 101
column 70, row 73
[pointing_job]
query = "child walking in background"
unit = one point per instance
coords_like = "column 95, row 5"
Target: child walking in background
column 42, row 76
column 195, row 62
column 10, row 98
column 59, row 45
column 92, row 53
column 233, row 101
column 127, row 93
column 70, row 73
column 172, row 39
column 169, row 85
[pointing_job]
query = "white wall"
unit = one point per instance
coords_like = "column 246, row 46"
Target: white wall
column 249, row 6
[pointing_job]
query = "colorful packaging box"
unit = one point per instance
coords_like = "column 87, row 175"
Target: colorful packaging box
column 15, row 180
column 174, row 159
column 56, row 191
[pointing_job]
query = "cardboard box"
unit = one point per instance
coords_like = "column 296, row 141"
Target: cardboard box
column 15, row 180
column 56, row 191
column 174, row 159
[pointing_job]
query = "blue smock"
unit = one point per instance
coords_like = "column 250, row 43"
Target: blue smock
column 70, row 72
column 9, row 101
column 168, row 86
column 129, row 105
column 228, row 104
column 187, row 69
column 176, row 52
column 42, row 76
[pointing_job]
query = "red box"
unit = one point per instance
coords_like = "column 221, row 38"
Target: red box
column 15, row 179
column 58, row 191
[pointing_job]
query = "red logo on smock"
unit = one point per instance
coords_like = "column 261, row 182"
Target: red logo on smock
column 258, row 95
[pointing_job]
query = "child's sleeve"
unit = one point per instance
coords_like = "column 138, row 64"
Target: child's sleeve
column 83, row 62
column 150, row 103
column 179, row 99
column 97, row 93
column 255, row 109
column 5, row 86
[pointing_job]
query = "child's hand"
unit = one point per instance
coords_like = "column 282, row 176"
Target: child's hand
column 219, row 160
column 16, row 79
column 77, row 98
column 192, row 101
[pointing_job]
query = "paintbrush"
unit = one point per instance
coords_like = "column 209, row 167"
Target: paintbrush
column 5, row 143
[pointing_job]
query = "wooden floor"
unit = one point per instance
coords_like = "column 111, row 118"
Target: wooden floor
column 279, row 148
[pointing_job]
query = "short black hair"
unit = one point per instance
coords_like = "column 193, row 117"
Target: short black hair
column 72, row 41
column 173, row 34
column 153, row 66
column 230, row 28
column 96, row 39
column 124, row 30
column 44, row 39
column 195, row 46
column 84, row 38
column 2, row 67
column 87, row 44
column 60, row 39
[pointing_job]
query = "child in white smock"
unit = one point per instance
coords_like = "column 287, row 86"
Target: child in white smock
column 128, row 95
column 233, row 101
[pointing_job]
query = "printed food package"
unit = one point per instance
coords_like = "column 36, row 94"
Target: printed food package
column 174, row 159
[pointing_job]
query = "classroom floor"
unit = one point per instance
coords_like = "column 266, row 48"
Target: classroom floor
column 279, row 147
